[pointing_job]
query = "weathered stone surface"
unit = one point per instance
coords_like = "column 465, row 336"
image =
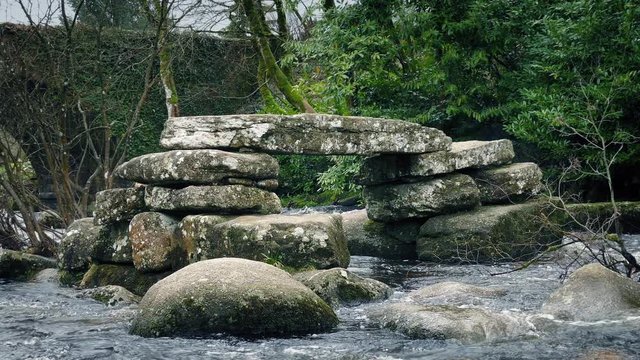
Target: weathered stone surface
column 338, row 286
column 302, row 133
column 468, row 325
column 297, row 241
column 110, row 295
column 508, row 183
column 123, row 275
column 22, row 266
column 79, row 245
column 454, row 293
column 115, row 205
column 370, row 238
column 113, row 244
column 152, row 236
column 233, row 296
column 200, row 167
column 194, row 239
column 594, row 293
column 437, row 196
column 463, row 155
column 227, row 199
column 488, row 234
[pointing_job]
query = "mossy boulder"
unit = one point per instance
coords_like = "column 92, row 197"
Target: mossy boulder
column 594, row 293
column 225, row 199
column 110, row 295
column 231, row 296
column 441, row 195
column 294, row 241
column 123, row 275
column 79, row 245
column 152, row 237
column 18, row 265
column 371, row 238
column 465, row 324
column 341, row 287
column 488, row 234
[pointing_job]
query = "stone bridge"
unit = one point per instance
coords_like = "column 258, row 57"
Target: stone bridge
column 211, row 195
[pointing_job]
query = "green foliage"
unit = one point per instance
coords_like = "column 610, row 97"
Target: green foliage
column 543, row 71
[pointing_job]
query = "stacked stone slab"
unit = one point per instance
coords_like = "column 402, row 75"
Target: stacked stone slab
column 420, row 188
column 210, row 194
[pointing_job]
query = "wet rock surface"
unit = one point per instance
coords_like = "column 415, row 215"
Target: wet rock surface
column 593, row 293
column 110, row 295
column 339, row 286
column 231, row 296
column 201, row 167
column 302, row 133
column 467, row 325
column 123, row 275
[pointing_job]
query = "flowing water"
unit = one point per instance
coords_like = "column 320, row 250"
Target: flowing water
column 44, row 321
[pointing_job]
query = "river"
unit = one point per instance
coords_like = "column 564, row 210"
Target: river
column 45, row 321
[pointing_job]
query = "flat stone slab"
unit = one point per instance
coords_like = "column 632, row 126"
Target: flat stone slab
column 466, row 154
column 508, row 183
column 115, row 205
column 226, row 199
column 488, row 234
column 302, row 134
column 297, row 241
column 443, row 195
column 200, row 167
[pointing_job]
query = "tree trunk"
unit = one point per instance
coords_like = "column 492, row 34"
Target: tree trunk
column 259, row 29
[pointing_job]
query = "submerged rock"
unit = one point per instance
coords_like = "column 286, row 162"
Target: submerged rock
column 115, row 205
column 491, row 233
column 22, row 266
column 302, row 133
column 465, row 154
column 227, row 199
column 298, row 241
column 369, row 238
column 123, row 275
column 442, row 195
column 79, row 245
column 468, row 325
column 454, row 293
column 199, row 167
column 594, row 293
column 508, row 183
column 152, row 236
column 341, row 287
column 231, row 296
column 110, row 295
